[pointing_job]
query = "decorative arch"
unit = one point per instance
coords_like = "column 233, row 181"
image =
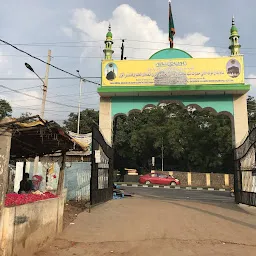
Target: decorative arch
column 168, row 102
column 119, row 114
column 218, row 102
column 134, row 111
column 149, row 106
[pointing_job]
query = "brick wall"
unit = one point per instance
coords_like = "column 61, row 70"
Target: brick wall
column 182, row 176
column 217, row 180
column 198, row 179
column 194, row 179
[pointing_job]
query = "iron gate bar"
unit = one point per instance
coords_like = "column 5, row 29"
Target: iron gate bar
column 242, row 150
column 100, row 195
column 245, row 182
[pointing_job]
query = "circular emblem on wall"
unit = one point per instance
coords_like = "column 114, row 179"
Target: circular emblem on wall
column 233, row 68
column 111, row 71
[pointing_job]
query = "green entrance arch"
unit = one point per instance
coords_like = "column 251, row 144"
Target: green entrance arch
column 172, row 75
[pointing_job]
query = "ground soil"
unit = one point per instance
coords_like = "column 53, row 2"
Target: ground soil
column 140, row 226
column 71, row 211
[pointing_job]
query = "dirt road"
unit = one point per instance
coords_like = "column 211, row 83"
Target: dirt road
column 140, row 226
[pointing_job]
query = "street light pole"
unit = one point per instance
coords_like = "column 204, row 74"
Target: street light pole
column 45, row 88
column 79, row 106
column 45, row 81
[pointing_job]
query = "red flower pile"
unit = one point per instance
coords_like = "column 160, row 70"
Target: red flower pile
column 19, row 199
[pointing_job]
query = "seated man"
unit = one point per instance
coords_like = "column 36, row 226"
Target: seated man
column 26, row 184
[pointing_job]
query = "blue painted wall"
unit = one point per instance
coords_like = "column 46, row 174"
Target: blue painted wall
column 77, row 181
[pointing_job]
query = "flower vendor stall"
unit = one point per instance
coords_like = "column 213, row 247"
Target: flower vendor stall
column 29, row 220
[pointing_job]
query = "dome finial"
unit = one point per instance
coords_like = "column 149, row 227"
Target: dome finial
column 233, row 20
column 109, row 27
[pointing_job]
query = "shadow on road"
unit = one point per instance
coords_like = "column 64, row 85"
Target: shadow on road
column 245, row 224
column 214, row 198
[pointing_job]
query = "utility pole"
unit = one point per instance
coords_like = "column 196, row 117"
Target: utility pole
column 79, row 102
column 162, row 154
column 45, row 86
column 79, row 106
column 122, row 51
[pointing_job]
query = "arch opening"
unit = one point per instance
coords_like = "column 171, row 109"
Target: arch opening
column 189, row 133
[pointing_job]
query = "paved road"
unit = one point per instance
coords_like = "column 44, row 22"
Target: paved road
column 204, row 196
column 139, row 226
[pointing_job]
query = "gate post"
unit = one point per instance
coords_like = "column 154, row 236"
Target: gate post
column 241, row 126
column 5, row 146
column 105, row 119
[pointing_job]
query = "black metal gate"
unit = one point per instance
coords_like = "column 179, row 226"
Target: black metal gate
column 245, row 171
column 102, row 169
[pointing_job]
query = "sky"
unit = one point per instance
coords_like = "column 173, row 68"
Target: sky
column 75, row 32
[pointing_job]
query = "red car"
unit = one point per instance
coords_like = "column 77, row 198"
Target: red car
column 161, row 179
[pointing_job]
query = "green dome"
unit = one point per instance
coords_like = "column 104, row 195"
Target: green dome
column 109, row 34
column 233, row 29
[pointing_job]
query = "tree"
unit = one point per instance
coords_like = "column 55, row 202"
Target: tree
column 27, row 115
column 5, row 109
column 193, row 140
column 88, row 117
column 251, row 108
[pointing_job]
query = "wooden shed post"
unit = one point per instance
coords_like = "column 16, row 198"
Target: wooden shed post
column 61, row 174
column 5, row 146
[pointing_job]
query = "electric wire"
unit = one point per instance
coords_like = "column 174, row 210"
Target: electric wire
column 34, row 57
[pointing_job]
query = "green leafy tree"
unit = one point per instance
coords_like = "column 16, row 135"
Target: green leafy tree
column 27, row 115
column 192, row 140
column 88, row 117
column 251, row 108
column 5, row 109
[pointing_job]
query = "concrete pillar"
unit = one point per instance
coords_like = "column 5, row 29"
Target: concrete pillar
column 189, row 179
column 241, row 126
column 208, row 179
column 226, row 180
column 105, row 119
column 5, row 146
column 7, row 229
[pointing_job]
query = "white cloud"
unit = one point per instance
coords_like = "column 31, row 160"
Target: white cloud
column 67, row 31
column 143, row 35
column 198, row 50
